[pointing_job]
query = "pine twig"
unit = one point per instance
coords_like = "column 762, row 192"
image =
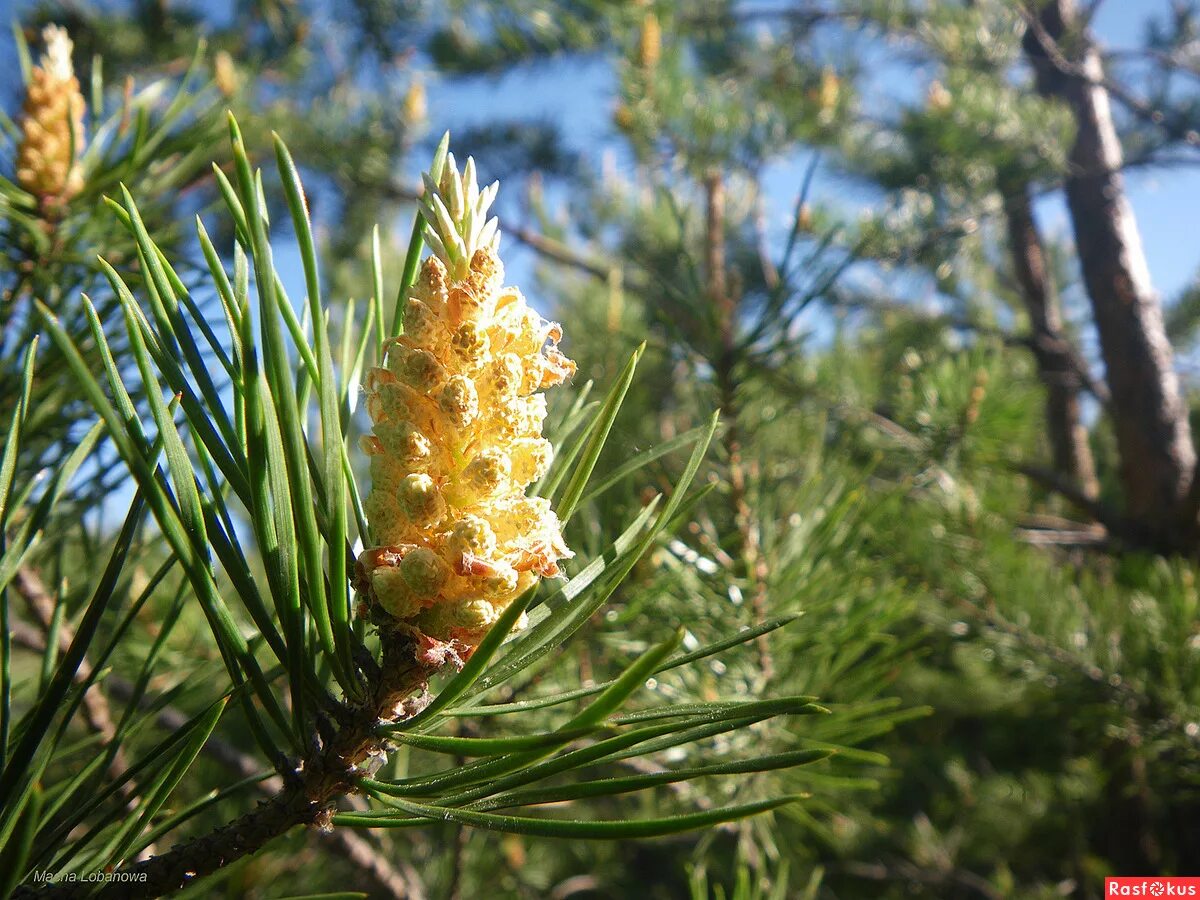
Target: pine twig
column 94, row 705
column 306, row 799
column 385, row 879
column 96, row 712
column 725, row 371
column 1065, row 487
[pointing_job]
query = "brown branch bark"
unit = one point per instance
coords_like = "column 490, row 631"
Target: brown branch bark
column 384, row 879
column 305, row 799
column 41, row 605
column 94, row 705
column 1070, row 450
column 1157, row 456
column 725, row 371
column 1067, row 488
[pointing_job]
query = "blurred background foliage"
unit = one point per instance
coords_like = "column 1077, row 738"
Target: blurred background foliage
column 1016, row 691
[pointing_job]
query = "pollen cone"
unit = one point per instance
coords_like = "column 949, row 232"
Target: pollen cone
column 52, row 135
column 457, row 412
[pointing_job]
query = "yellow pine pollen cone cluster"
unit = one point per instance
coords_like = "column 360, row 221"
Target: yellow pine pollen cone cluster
column 650, row 41
column 416, row 104
column 457, row 412
column 52, row 134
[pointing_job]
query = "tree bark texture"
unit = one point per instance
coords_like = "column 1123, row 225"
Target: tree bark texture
column 1149, row 417
column 1056, row 360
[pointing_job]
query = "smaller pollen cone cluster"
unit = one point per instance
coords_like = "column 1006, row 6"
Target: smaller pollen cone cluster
column 650, row 42
column 457, row 413
column 416, row 104
column 829, row 90
column 52, row 126
column 937, row 97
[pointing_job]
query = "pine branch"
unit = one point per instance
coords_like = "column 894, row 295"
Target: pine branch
column 367, row 858
column 1052, row 351
column 96, row 712
column 1063, row 537
column 306, row 799
column 1066, row 487
column 725, row 368
column 41, row 606
column 386, row 880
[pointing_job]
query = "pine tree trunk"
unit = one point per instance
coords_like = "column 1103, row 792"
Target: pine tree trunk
column 1057, row 368
column 1149, row 416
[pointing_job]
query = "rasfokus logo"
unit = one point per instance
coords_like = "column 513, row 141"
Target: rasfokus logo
column 1137, row 886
